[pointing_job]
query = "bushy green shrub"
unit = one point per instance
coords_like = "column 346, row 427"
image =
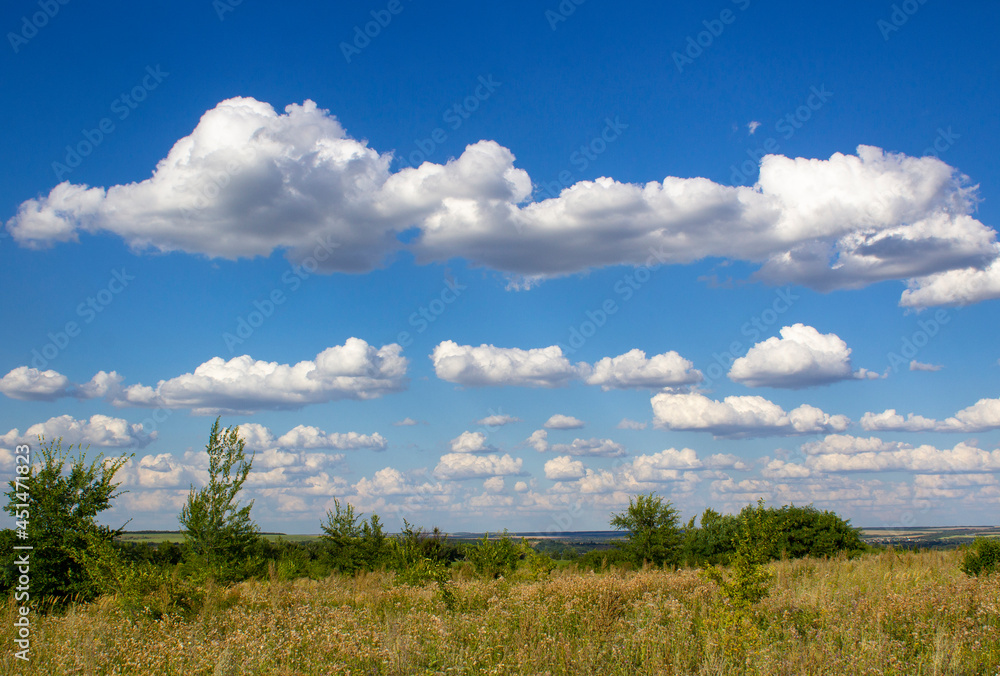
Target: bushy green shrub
column 749, row 581
column 494, row 558
column 419, row 557
column 807, row 531
column 72, row 557
column 982, row 557
column 353, row 546
column 801, row 531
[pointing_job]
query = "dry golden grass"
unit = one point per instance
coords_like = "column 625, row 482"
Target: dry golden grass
column 889, row 613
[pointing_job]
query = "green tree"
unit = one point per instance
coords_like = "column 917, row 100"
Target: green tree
column 497, row 557
column 57, row 499
column 351, row 545
column 220, row 536
column 653, row 532
column 982, row 558
column 749, row 581
column 806, row 531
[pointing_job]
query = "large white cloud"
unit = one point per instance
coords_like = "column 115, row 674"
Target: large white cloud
column 634, row 370
column 962, row 286
column 354, row 370
column 489, row 365
column 840, row 453
column 249, row 181
column 469, row 466
column 846, row 444
column 563, row 467
column 302, row 437
column 982, row 416
column 391, row 481
column 682, row 469
column 740, row 416
column 921, row 459
column 802, row 357
column 31, row 384
column 687, row 459
column 98, row 430
column 889, row 420
column 471, row 442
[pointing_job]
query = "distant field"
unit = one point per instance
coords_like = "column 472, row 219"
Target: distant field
column 945, row 536
column 916, row 536
column 154, row 537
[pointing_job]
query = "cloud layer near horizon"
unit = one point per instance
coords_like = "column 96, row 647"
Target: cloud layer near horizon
column 249, row 181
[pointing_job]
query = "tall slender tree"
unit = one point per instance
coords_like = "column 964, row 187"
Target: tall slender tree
column 219, row 533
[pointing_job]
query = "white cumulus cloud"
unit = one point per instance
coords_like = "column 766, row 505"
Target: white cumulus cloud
column 801, row 357
column 890, row 420
column 354, row 370
column 559, row 421
column 98, row 430
column 563, row 468
column 31, row 384
column 740, row 416
column 497, row 366
column 605, row 448
column 471, row 442
column 297, row 182
column 469, row 466
column 634, row 370
column 982, row 416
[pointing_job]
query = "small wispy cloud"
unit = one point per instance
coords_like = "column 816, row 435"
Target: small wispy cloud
column 752, row 126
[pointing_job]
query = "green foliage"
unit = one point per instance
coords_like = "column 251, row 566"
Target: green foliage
column 749, row 581
column 653, row 533
column 533, row 564
column 221, row 540
column 806, row 531
column 503, row 557
column 111, row 573
column 712, row 543
column 72, row 556
column 353, row 546
column 418, row 556
column 982, row 557
column 602, row 559
column 494, row 558
column 556, row 550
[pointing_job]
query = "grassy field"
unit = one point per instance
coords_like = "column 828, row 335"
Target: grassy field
column 886, row 613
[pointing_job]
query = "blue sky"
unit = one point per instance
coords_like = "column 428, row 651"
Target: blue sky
column 507, row 265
